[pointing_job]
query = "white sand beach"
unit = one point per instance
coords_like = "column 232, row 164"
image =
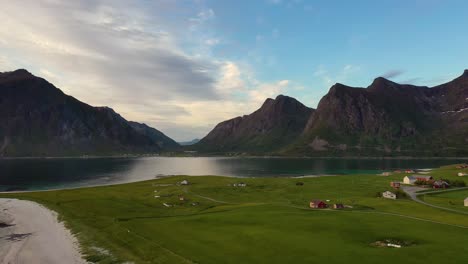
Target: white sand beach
column 31, row 233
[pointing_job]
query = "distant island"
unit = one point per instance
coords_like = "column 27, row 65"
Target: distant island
column 384, row 119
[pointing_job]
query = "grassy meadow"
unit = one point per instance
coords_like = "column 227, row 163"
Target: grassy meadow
column 268, row 221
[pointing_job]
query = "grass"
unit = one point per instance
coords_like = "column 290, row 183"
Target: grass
column 266, row 222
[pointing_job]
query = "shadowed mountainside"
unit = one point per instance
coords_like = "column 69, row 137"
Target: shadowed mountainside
column 37, row 119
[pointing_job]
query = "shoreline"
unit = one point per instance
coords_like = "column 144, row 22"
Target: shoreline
column 232, row 157
column 31, row 233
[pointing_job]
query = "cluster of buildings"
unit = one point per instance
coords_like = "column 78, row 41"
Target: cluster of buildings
column 319, row 204
column 426, row 180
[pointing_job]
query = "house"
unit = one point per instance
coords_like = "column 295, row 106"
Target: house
column 181, row 198
column 386, row 173
column 409, row 171
column 240, row 184
column 184, row 182
column 395, row 185
column 318, row 204
column 338, row 206
column 389, row 195
column 466, row 201
column 462, row 166
column 461, row 174
column 440, row 184
column 411, row 179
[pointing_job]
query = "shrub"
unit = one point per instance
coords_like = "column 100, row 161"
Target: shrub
column 458, row 183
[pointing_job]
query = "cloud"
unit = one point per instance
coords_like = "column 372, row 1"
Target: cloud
column 134, row 58
column 392, row 74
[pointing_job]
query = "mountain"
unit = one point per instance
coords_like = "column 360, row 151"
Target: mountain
column 37, row 119
column 389, row 119
column 189, row 143
column 277, row 123
column 383, row 119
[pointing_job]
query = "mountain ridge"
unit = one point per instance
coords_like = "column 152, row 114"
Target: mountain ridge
column 38, row 119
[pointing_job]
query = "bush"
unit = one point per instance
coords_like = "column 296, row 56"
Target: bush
column 458, row 183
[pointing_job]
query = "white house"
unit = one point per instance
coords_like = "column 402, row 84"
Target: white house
column 389, row 195
column 184, row 182
column 462, row 174
column 466, row 201
column 413, row 178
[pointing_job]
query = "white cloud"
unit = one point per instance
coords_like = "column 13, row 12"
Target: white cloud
column 133, row 58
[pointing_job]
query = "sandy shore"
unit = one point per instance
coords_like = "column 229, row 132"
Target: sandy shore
column 30, row 233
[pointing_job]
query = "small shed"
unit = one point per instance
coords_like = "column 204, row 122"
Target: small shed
column 389, row 195
column 184, row 182
column 466, row 201
column 317, row 204
column 395, row 185
column 338, row 206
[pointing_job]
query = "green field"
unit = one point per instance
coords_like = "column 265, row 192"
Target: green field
column 268, row 221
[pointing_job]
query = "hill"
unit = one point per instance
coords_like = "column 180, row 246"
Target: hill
column 276, row 124
column 38, row 119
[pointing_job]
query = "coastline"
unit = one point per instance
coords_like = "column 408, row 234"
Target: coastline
column 231, row 157
column 31, row 233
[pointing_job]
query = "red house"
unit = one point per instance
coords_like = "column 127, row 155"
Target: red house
column 318, row 204
column 395, row 185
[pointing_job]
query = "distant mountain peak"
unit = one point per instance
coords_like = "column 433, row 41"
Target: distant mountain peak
column 379, row 81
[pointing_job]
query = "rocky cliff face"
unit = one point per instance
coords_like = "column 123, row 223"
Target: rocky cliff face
column 391, row 119
column 277, row 123
column 385, row 118
column 37, row 119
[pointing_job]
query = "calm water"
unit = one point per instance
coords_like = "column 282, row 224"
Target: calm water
column 29, row 174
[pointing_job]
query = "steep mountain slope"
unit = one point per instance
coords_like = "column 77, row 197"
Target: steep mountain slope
column 37, row 119
column 277, row 123
column 390, row 119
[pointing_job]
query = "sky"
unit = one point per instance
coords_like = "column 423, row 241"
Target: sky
column 184, row 66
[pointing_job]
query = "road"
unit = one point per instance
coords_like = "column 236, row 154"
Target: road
column 412, row 193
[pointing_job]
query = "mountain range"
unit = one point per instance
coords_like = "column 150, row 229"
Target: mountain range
column 38, row 119
column 383, row 119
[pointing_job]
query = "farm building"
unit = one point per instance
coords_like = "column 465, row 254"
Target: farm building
column 462, row 166
column 461, row 174
column 338, row 206
column 395, row 185
column 184, row 182
column 318, row 204
column 240, row 184
column 409, row 171
column 389, row 195
column 181, row 198
column 413, row 178
column 466, row 201
column 439, row 184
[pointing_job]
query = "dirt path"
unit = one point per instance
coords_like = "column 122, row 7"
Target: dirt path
column 412, row 193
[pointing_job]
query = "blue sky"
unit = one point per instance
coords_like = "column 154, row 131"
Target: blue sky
column 184, row 66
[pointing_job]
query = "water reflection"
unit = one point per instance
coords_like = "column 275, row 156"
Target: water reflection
column 26, row 174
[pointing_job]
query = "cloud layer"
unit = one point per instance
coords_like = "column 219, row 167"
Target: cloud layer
column 134, row 58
